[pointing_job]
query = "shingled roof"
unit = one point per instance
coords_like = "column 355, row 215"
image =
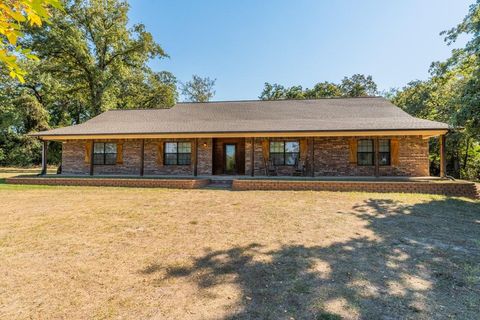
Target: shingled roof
column 320, row 115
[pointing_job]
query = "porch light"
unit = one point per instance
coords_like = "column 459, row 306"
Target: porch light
column 204, row 144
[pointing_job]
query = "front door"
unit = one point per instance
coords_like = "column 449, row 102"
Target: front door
column 230, row 155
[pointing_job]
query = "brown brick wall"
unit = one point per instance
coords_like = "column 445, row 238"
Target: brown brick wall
column 131, row 161
column 205, row 151
column 113, row 182
column 152, row 167
column 331, row 158
column 73, row 159
column 458, row 188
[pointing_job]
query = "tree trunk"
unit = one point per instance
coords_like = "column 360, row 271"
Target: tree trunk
column 465, row 159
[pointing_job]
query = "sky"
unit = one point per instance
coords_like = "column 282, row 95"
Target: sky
column 243, row 44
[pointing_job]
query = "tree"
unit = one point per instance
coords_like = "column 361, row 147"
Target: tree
column 467, row 59
column 451, row 95
column 13, row 15
column 323, row 90
column 93, row 57
column 272, row 92
column 90, row 62
column 358, row 85
column 198, row 89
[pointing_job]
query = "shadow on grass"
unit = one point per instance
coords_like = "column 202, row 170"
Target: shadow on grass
column 423, row 263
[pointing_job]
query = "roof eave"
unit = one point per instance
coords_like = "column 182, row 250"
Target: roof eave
column 294, row 133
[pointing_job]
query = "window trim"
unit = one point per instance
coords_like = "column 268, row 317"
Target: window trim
column 389, row 158
column 104, row 162
column 165, row 153
column 284, row 153
column 363, row 152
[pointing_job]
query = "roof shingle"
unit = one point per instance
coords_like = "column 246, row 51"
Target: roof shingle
column 335, row 114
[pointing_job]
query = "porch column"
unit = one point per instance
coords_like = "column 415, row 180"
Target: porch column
column 142, row 157
column 92, row 151
column 195, row 157
column 376, row 155
column 443, row 158
column 312, row 157
column 252, row 157
column 44, row 157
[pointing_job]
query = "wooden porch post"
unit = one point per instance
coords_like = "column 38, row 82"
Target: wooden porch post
column 312, row 157
column 92, row 151
column 376, row 155
column 443, row 158
column 142, row 158
column 252, row 158
column 195, row 157
column 44, row 157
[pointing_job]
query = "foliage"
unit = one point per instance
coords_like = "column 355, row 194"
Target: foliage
column 90, row 62
column 13, row 15
column 452, row 95
column 357, row 85
column 91, row 45
column 198, row 89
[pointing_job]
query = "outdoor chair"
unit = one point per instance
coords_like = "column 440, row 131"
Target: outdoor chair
column 271, row 168
column 299, row 168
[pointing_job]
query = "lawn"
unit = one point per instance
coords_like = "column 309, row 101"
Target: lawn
column 101, row 253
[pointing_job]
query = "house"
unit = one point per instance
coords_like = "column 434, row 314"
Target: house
column 366, row 136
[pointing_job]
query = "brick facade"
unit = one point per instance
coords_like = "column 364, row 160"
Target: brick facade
column 73, row 159
column 113, row 182
column 330, row 158
column 449, row 188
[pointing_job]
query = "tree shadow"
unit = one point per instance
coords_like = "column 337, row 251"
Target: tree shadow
column 423, row 262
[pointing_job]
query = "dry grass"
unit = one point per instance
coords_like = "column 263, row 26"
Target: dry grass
column 86, row 252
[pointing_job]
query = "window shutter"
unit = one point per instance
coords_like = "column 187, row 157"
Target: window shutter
column 119, row 153
column 265, row 149
column 303, row 149
column 353, row 151
column 394, row 151
column 160, row 154
column 88, row 152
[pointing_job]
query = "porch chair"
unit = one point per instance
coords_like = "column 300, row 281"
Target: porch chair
column 271, row 168
column 299, row 168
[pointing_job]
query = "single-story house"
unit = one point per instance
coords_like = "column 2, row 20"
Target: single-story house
column 324, row 137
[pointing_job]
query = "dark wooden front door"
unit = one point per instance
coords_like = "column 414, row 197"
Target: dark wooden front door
column 228, row 156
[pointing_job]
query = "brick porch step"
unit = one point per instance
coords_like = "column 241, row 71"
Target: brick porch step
column 220, row 184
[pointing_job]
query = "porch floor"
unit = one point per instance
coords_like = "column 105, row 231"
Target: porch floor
column 248, row 177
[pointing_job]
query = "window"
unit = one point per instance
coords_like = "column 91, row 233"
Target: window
column 384, row 152
column 365, row 152
column 104, row 153
column 284, row 153
column 178, row 153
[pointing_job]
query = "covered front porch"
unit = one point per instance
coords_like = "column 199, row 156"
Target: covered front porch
column 314, row 156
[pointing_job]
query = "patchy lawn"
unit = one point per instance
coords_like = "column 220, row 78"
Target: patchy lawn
column 86, row 252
